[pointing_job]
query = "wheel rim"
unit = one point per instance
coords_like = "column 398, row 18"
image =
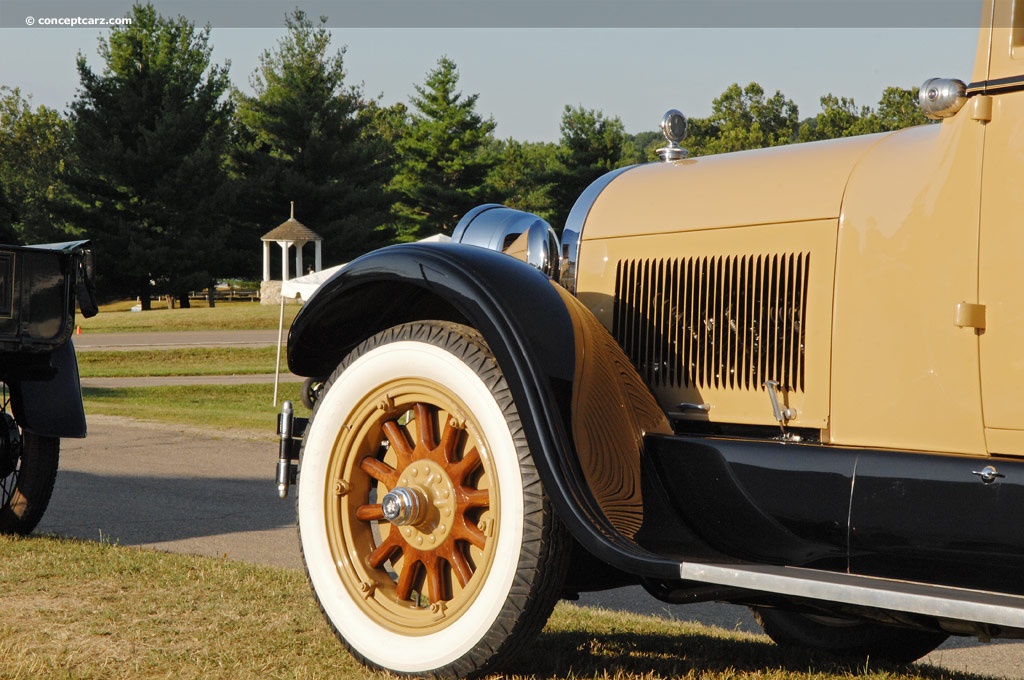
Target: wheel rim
column 414, row 436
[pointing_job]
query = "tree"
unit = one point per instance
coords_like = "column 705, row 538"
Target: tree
column 520, row 176
column 744, row 118
column 33, row 146
column 590, row 145
column 840, row 117
column 149, row 136
column 307, row 136
column 441, row 161
column 897, row 109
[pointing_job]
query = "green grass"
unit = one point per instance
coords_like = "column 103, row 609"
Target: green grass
column 191, row 361
column 225, row 316
column 246, row 407
column 76, row 609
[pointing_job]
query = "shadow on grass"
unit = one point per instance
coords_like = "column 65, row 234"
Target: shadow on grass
column 630, row 655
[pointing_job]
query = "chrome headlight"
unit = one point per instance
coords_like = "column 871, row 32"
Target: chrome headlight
column 941, row 97
column 522, row 235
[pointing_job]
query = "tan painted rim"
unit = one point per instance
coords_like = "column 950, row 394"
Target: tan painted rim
column 413, row 580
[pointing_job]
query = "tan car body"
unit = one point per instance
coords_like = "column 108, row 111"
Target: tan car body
column 907, row 325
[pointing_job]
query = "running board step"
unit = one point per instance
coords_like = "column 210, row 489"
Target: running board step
column 943, row 602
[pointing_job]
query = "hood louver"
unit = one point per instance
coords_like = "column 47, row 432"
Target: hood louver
column 727, row 322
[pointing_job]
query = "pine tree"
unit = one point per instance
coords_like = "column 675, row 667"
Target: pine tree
column 149, row 137
column 442, row 164
column 591, row 144
column 306, row 136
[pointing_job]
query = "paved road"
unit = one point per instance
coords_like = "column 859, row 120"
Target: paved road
column 211, row 493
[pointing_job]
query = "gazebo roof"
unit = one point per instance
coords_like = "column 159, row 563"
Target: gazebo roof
column 291, row 230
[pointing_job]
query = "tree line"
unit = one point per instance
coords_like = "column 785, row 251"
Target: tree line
column 175, row 174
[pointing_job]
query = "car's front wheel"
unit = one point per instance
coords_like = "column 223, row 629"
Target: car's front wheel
column 426, row 533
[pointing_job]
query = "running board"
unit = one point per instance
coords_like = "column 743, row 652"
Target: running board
column 943, row 602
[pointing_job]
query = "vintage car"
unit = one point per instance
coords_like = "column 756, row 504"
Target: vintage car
column 40, row 395
column 788, row 378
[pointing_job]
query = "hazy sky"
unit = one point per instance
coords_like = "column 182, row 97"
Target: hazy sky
column 525, row 76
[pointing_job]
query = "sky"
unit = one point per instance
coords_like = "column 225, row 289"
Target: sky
column 633, row 65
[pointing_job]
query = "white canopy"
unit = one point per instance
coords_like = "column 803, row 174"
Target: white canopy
column 303, row 287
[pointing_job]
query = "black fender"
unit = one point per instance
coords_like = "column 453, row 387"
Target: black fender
column 51, row 406
column 541, row 337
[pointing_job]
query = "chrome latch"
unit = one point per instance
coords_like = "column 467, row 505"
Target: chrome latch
column 988, row 474
column 783, row 415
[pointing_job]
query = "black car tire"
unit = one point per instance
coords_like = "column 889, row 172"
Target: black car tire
column 26, row 491
column 847, row 637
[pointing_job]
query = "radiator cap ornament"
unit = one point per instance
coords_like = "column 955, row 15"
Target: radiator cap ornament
column 673, row 126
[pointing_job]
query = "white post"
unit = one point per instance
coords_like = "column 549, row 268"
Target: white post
column 298, row 259
column 266, row 260
column 319, row 259
column 284, row 260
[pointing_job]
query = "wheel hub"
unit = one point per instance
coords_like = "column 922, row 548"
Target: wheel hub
column 404, row 506
column 426, row 480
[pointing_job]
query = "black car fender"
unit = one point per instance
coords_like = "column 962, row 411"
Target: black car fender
column 51, row 406
column 584, row 409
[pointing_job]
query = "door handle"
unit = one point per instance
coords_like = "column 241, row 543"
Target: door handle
column 988, row 474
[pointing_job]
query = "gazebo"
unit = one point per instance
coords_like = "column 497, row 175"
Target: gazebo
column 287, row 234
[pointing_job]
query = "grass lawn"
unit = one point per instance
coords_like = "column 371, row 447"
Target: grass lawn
column 246, row 407
column 188, row 361
column 77, row 609
column 117, row 318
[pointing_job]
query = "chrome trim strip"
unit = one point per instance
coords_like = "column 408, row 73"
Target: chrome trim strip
column 996, row 86
column 919, row 598
column 570, row 241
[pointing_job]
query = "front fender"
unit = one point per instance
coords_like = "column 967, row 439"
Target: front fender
column 554, row 355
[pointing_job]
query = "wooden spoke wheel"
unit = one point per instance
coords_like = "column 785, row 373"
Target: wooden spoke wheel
column 420, row 508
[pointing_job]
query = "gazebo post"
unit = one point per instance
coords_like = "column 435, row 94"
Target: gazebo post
column 285, row 274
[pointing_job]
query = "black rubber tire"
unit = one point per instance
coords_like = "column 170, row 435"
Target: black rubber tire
column 312, row 388
column 26, row 492
column 847, row 637
column 488, row 623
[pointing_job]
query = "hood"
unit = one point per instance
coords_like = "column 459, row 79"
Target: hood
column 765, row 186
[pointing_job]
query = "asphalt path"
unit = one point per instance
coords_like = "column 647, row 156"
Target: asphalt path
column 86, row 342
column 205, row 492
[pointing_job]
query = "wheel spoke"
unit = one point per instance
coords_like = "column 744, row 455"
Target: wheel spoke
column 384, row 552
column 407, row 579
column 370, row 513
column 463, row 468
column 464, row 531
column 450, row 439
column 435, row 578
column 473, row 498
column 425, row 425
column 460, row 565
column 379, row 470
column 396, row 437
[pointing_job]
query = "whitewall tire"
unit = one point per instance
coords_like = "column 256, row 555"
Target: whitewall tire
column 471, row 568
